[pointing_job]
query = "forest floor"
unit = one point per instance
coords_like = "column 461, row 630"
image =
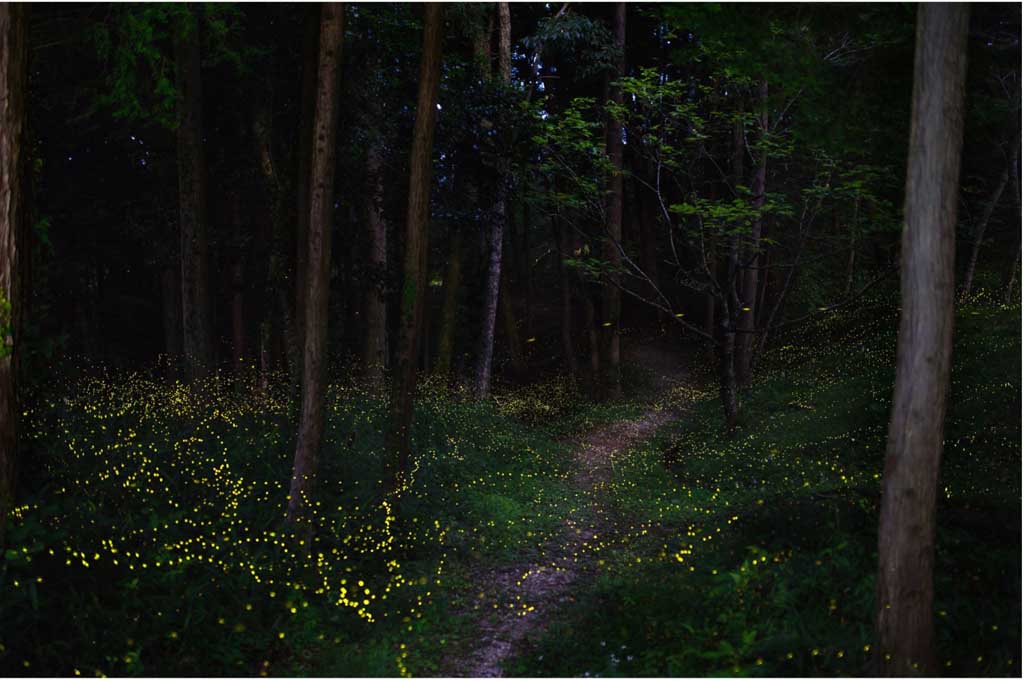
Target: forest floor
column 524, row 595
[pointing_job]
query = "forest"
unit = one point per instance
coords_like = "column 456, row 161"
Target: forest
column 510, row 339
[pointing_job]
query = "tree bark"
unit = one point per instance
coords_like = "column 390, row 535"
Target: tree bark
column 508, row 317
column 170, row 289
column 195, row 297
column 496, row 235
column 375, row 354
column 613, row 143
column 979, row 232
column 568, row 346
column 295, row 341
column 450, row 310
column 1011, row 279
column 748, row 293
column 403, row 384
column 321, row 206
column 237, row 288
column 13, row 227
column 906, row 532
column 278, row 304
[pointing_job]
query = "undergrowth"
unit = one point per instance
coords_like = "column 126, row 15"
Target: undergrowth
column 756, row 554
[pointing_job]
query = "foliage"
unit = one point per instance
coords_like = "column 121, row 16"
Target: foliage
column 155, row 545
column 755, row 556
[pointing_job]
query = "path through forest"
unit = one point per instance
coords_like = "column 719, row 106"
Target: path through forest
column 537, row 589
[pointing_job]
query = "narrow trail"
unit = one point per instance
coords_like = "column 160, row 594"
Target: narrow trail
column 537, row 589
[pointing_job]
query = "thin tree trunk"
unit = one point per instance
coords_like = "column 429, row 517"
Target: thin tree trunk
column 403, row 384
column 170, row 289
column 375, row 354
column 278, row 304
column 295, row 340
column 593, row 334
column 979, row 232
column 237, row 288
column 450, row 310
column 568, row 347
column 1011, row 280
column 748, row 293
column 321, row 206
column 508, row 318
column 13, row 226
column 906, row 531
column 485, row 354
column 612, row 308
column 195, row 298
column 852, row 258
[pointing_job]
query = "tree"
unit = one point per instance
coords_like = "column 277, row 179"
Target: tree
column 321, row 208
column 195, row 296
column 612, row 295
column 13, row 206
column 986, row 215
column 375, row 350
column 906, row 532
column 496, row 233
column 403, row 385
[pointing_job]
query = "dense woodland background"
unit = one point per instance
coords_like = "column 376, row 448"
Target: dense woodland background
column 253, row 234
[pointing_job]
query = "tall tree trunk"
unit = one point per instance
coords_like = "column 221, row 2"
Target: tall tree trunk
column 852, row 257
column 979, row 232
column 195, row 297
column 403, row 385
column 295, row 341
column 1011, row 279
column 906, row 531
column 508, row 318
column 170, row 293
column 13, row 226
column 593, row 334
column 375, row 353
column 318, row 257
column 278, row 304
column 485, row 353
column 450, row 310
column 568, row 346
column 748, row 293
column 237, row 287
column 613, row 143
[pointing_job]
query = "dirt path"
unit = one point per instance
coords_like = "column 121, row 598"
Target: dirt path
column 534, row 590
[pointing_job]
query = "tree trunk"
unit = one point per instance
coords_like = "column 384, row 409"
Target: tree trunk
column 170, row 290
column 748, row 293
column 195, row 297
column 852, row 258
column 485, row 354
column 979, row 232
column 593, row 334
column 508, row 318
column 403, row 384
column 278, row 304
column 237, row 288
column 295, row 341
column 450, row 310
column 375, row 354
column 318, row 257
column 1011, row 280
column 612, row 308
column 906, row 532
column 13, row 227
column 568, row 347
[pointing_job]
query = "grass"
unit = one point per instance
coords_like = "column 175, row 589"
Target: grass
column 756, row 555
column 151, row 539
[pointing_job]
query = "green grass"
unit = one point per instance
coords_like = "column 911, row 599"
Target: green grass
column 756, row 555
column 151, row 539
